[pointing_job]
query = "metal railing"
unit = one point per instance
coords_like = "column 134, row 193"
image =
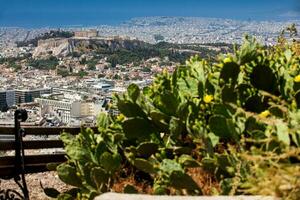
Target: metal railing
column 15, row 167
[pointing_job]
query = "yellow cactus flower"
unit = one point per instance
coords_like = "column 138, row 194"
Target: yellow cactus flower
column 297, row 79
column 121, row 117
column 227, row 60
column 220, row 65
column 208, row 98
column 264, row 114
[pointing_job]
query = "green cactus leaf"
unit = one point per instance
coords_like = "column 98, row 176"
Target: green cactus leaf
column 230, row 71
column 67, row 174
column 209, row 164
column 222, row 127
column 223, row 109
column 100, row 177
column 110, row 162
column 183, row 150
column 77, row 152
column 144, row 165
column 188, row 161
column 263, row 78
column 257, row 135
column 180, row 180
column 147, row 91
column 175, row 127
column 137, row 128
column 223, row 161
column 130, row 109
column 283, row 132
column 160, row 190
column 87, row 133
column 277, row 111
column 52, row 166
column 67, row 138
column 86, row 176
column 244, row 92
column 213, row 139
column 51, row 192
column 297, row 98
column 168, row 166
column 182, row 110
column 147, row 149
column 229, row 94
column 294, row 85
column 65, row 196
column 133, row 92
column 252, row 125
column 226, row 186
column 73, row 192
column 288, row 54
column 74, row 149
column 160, row 119
column 130, row 189
column 256, row 104
column 100, row 149
column 103, row 121
column 188, row 86
column 167, row 103
column 248, row 51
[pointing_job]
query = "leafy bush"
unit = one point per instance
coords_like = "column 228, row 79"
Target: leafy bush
column 237, row 119
column 44, row 64
column 63, row 72
column 44, row 36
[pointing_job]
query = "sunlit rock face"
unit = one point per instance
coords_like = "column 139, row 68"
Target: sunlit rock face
column 61, row 47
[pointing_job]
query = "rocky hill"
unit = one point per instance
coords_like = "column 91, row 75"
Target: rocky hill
column 61, row 47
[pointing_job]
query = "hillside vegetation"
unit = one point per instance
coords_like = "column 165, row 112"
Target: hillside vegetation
column 224, row 128
column 44, row 36
column 137, row 54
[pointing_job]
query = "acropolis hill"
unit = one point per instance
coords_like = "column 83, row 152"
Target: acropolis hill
column 84, row 39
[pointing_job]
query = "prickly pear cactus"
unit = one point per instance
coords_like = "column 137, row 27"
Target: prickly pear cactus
column 233, row 118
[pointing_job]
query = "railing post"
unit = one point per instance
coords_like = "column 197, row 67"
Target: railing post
column 19, row 176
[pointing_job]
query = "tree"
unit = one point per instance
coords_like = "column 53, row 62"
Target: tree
column 158, row 37
column 292, row 30
column 82, row 73
column 62, row 72
column 116, row 77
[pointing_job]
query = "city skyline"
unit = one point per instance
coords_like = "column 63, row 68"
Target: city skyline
column 34, row 14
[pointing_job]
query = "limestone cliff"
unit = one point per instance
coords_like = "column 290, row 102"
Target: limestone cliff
column 61, row 47
column 54, row 46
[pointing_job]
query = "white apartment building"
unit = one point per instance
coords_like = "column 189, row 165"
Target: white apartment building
column 66, row 109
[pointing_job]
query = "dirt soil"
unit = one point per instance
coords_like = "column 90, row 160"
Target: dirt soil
column 48, row 179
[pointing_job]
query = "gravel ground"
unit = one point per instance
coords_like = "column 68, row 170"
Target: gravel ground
column 48, row 179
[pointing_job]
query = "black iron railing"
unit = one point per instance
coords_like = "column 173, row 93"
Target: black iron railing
column 15, row 167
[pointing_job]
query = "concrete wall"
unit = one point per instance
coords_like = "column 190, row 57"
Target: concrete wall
column 112, row 196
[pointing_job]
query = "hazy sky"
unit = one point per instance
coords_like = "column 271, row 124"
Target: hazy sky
column 39, row 13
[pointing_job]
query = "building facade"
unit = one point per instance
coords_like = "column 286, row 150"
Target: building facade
column 86, row 33
column 3, row 104
column 66, row 110
column 9, row 98
column 28, row 96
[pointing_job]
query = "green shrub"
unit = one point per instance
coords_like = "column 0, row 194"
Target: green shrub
column 237, row 119
column 44, row 64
